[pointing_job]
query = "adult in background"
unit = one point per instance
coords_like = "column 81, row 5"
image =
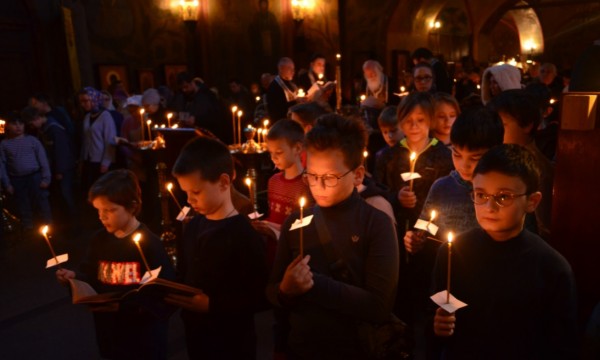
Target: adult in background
column 442, row 79
column 98, row 136
column 497, row 79
column 282, row 92
column 201, row 104
column 42, row 103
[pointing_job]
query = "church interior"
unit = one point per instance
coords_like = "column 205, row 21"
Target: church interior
column 233, row 51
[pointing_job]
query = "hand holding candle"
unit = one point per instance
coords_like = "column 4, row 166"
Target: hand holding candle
column 136, row 239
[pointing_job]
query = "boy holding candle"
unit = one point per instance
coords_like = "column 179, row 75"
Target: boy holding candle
column 221, row 254
column 473, row 133
column 114, row 264
column 520, row 292
column 327, row 297
column 285, row 144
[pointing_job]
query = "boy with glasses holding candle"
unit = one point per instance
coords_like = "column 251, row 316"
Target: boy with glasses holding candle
column 329, row 291
column 520, row 292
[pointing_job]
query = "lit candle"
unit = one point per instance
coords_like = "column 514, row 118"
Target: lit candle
column 169, row 116
column 302, row 203
column 433, row 214
column 170, row 190
column 162, row 126
column 239, row 128
column 248, row 182
column 136, row 239
column 259, row 132
column 320, row 81
column 450, row 237
column 402, row 89
column 338, row 83
column 301, row 93
column 363, row 97
column 413, row 161
column 142, row 111
column 149, row 122
column 257, row 99
column 233, row 111
column 175, row 126
column 44, row 231
column 552, row 101
column 365, row 155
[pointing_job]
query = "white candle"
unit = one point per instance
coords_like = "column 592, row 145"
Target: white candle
column 136, row 239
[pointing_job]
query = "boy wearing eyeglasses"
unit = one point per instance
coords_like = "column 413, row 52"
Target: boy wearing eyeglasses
column 520, row 292
column 329, row 293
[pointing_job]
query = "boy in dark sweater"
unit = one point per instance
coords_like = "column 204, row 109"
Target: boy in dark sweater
column 329, row 293
column 221, row 254
column 520, row 292
column 473, row 133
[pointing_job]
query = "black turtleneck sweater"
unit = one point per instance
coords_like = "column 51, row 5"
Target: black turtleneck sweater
column 520, row 295
column 324, row 320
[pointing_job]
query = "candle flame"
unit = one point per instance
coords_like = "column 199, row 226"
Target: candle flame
column 265, row 122
column 338, row 56
column 44, row 230
column 234, row 109
column 365, row 154
column 137, row 237
column 170, row 186
column 433, row 215
column 240, row 113
column 363, row 97
column 149, row 122
column 413, row 156
column 175, row 126
column 248, row 181
column 301, row 93
column 257, row 98
column 450, row 237
column 320, row 76
column 302, row 201
column 142, row 111
column 162, row 126
column 259, row 131
column 552, row 101
column 402, row 88
column 169, row 116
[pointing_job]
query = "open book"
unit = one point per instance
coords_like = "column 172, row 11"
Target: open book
column 83, row 293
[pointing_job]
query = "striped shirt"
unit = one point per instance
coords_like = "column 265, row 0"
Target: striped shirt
column 24, row 155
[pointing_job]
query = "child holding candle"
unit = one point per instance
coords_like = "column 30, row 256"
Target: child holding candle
column 221, row 254
column 285, row 144
column 432, row 161
column 326, row 302
column 520, row 292
column 473, row 134
column 113, row 263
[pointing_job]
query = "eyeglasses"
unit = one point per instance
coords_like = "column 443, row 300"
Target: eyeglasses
column 423, row 78
column 502, row 199
column 328, row 180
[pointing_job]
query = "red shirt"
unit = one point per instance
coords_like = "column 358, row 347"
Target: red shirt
column 283, row 196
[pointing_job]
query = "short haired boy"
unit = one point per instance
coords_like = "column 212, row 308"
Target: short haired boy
column 521, row 117
column 520, row 292
column 221, row 254
column 474, row 132
column 285, row 143
column 28, row 172
column 325, row 306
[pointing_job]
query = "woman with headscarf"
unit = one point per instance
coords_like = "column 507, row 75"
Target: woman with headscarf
column 499, row 78
column 98, row 140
